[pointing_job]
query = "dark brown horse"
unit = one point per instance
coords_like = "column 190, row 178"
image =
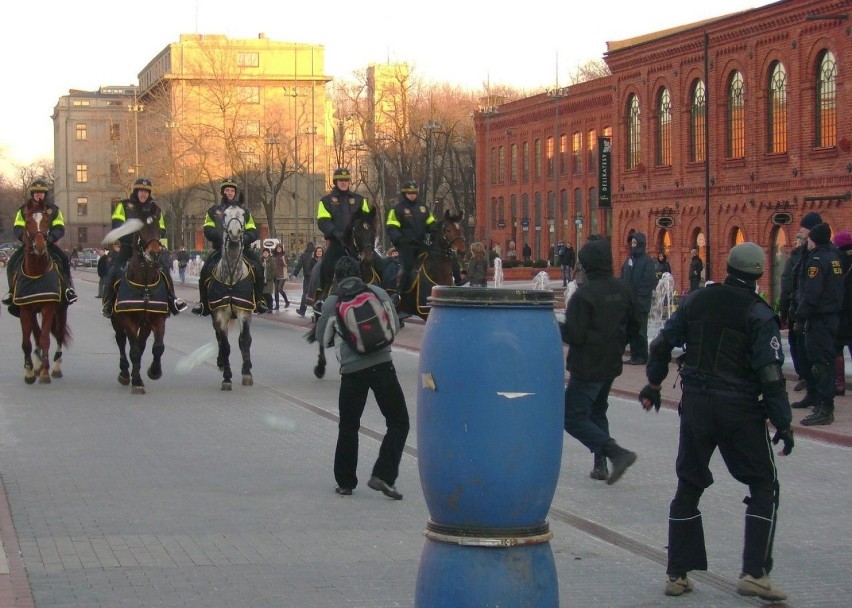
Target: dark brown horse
column 141, row 308
column 435, row 265
column 37, row 291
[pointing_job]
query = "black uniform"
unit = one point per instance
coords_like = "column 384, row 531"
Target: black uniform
column 733, row 355
column 408, row 224
column 787, row 303
column 334, row 215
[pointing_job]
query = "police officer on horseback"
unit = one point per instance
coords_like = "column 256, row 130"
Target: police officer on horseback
column 37, row 198
column 409, row 223
column 140, row 205
column 213, row 230
column 334, row 215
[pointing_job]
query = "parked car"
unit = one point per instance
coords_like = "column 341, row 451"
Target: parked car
column 5, row 254
column 88, row 258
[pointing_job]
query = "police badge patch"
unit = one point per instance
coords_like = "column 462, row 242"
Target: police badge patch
column 812, row 271
column 422, row 209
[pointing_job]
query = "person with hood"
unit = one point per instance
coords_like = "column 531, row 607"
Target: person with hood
column 409, row 223
column 213, row 230
column 696, row 267
column 600, row 318
column 843, row 241
column 640, row 276
column 732, row 376
column 359, row 374
column 307, row 260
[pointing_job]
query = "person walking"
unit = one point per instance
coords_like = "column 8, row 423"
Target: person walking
column 600, row 318
column 526, row 252
column 268, row 277
column 408, row 225
column 280, row 276
column 696, row 267
column 819, row 298
column 567, row 259
column 314, row 255
column 359, row 374
column 638, row 274
column 661, row 265
column 843, row 241
column 787, row 300
column 477, row 268
column 732, row 358
column 183, row 262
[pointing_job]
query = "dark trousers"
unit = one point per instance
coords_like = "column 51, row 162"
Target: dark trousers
column 639, row 345
column 793, row 342
column 333, row 252
column 738, row 428
column 816, row 353
column 586, row 404
column 354, row 386
column 279, row 291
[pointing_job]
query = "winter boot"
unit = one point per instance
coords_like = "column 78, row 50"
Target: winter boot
column 800, row 385
column 620, row 459
column 839, row 376
column 600, row 470
column 811, row 399
column 823, row 414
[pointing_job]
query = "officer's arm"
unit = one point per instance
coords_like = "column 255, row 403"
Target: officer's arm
column 57, row 227
column 659, row 357
column 768, row 363
column 19, row 226
column 393, row 227
column 324, row 221
column 812, row 289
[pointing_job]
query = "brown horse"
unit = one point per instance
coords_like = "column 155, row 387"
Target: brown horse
column 141, row 308
column 435, row 265
column 37, row 291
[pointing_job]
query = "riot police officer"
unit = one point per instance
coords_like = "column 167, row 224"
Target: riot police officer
column 213, row 230
column 819, row 298
column 142, row 206
column 732, row 356
column 409, row 222
column 37, row 197
column 334, row 214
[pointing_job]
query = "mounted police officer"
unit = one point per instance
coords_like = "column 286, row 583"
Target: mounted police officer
column 732, row 357
column 409, row 223
column 213, row 230
column 334, row 215
column 142, row 206
column 37, row 197
column 819, row 298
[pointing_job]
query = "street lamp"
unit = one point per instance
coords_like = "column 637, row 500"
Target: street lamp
column 430, row 127
column 488, row 111
column 135, row 107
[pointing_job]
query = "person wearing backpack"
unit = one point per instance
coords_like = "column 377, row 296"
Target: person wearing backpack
column 365, row 364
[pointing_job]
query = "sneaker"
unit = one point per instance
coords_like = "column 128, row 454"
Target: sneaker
column 678, row 585
column 819, row 417
column 810, row 400
column 70, row 295
column 800, row 385
column 384, row 487
column 343, row 491
column 7, row 299
column 600, row 470
column 761, row 587
column 621, row 459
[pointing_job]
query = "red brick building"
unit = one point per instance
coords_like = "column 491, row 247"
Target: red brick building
column 742, row 115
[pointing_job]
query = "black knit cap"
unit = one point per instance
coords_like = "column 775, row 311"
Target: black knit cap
column 820, row 234
column 810, row 220
column 346, row 267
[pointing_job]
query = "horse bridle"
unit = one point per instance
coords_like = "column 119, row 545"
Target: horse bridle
column 37, row 217
column 237, row 241
column 447, row 248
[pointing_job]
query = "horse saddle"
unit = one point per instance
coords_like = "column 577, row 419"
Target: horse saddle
column 46, row 287
column 239, row 295
column 139, row 297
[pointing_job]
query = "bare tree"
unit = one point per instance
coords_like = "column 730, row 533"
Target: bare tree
column 591, row 70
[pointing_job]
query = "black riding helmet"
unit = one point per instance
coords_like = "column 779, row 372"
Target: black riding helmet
column 38, row 185
column 409, row 187
column 341, row 173
column 143, row 183
column 228, row 182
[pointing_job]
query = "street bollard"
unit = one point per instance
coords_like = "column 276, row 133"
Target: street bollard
column 489, row 434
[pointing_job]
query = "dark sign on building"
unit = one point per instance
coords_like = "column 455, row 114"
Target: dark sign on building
column 604, row 172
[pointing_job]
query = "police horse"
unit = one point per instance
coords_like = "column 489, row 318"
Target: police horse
column 434, row 266
column 230, row 294
column 141, row 304
column 38, row 291
column 359, row 242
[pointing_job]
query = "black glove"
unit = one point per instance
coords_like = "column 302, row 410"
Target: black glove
column 787, row 437
column 652, row 396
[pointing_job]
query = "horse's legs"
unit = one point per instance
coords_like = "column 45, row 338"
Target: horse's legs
column 245, row 348
column 224, row 355
column 137, row 348
column 123, row 363
column 26, row 344
column 59, row 333
column 155, row 371
column 43, row 350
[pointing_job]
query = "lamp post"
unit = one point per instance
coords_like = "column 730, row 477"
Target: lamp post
column 488, row 111
column 135, row 107
column 557, row 95
column 430, row 127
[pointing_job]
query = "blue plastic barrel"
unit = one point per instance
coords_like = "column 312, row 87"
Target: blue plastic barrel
column 490, row 408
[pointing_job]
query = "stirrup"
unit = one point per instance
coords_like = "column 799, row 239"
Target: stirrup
column 70, row 295
column 106, row 310
column 7, row 299
column 177, row 306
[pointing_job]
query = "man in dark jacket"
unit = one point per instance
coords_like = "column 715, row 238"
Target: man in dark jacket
column 732, row 378
column 640, row 276
column 409, row 223
column 787, row 302
column 567, row 259
column 696, row 267
column 600, row 318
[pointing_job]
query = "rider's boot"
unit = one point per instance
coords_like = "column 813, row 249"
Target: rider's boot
column 260, row 302
column 70, row 292
column 176, row 304
column 202, row 309
column 109, row 297
column 7, row 299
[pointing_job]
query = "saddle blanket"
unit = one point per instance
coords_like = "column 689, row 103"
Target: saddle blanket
column 239, row 295
column 135, row 297
column 34, row 290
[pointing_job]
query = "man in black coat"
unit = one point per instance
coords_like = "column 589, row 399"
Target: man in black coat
column 696, row 267
column 600, row 317
column 639, row 274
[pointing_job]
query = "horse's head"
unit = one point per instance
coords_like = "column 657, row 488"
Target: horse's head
column 233, row 225
column 147, row 241
column 362, row 234
column 451, row 235
column 35, row 233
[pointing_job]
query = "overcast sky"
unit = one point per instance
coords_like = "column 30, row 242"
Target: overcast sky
column 51, row 46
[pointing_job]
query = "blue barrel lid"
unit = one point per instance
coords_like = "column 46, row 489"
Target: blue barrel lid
column 443, row 295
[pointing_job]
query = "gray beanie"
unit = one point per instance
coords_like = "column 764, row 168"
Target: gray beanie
column 746, row 260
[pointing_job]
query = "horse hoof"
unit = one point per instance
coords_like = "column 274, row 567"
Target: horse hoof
column 154, row 376
column 226, row 386
column 123, row 380
column 30, row 379
column 57, row 373
column 137, row 390
column 248, row 380
column 319, row 371
column 44, row 379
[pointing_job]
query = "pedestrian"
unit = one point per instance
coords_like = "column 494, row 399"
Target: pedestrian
column 567, row 259
column 600, row 318
column 268, row 277
column 477, row 268
column 280, row 257
column 696, row 267
column 819, row 297
column 304, row 265
column 787, row 299
column 526, row 252
column 213, row 230
column 732, row 358
column 410, row 223
column 360, row 373
column 638, row 274
column 183, row 262
column 103, row 270
column 843, row 241
column 334, row 215
column 662, row 266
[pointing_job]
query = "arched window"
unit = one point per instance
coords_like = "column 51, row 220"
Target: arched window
column 664, row 128
column 776, row 112
column 577, row 152
column 736, row 116
column 826, row 101
column 634, row 156
column 697, row 122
